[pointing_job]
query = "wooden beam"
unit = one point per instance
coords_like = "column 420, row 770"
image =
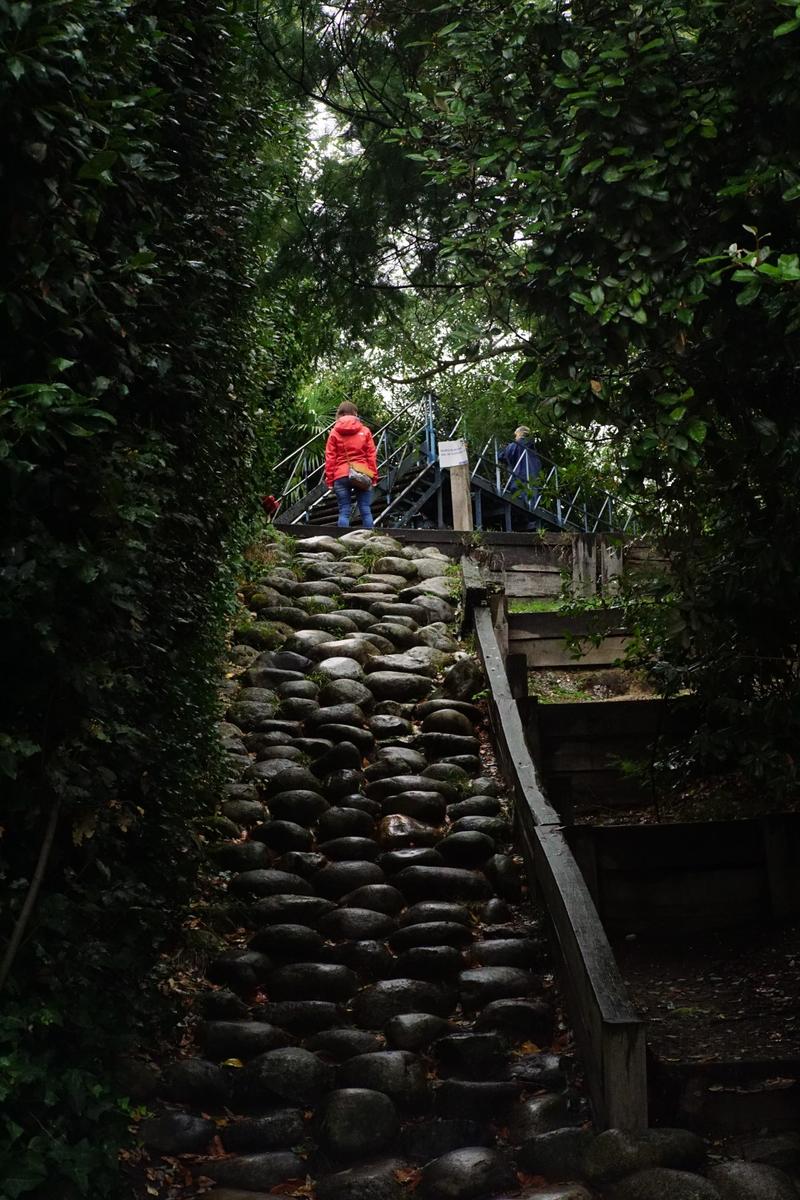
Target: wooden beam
column 517, row 672
column 475, row 591
column 461, row 496
column 611, row 566
column 782, row 859
column 610, row 1036
column 555, row 653
column 507, row 724
column 607, row 622
column 584, row 564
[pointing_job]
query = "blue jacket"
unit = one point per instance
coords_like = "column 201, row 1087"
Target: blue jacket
column 522, row 460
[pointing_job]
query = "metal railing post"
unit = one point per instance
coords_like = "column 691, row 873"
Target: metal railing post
column 559, row 517
column 430, row 427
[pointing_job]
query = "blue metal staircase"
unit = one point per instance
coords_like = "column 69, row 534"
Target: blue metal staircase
column 414, row 492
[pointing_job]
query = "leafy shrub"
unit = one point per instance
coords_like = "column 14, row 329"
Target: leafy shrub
column 136, row 350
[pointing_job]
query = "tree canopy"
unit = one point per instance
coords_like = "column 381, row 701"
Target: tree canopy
column 610, row 192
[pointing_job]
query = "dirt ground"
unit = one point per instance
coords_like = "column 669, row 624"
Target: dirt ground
column 728, row 996
column 717, row 800
column 585, row 684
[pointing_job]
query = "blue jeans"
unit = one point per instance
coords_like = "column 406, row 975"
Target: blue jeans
column 344, row 494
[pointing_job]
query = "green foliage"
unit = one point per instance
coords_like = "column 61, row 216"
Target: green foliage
column 349, row 379
column 140, row 161
column 617, row 204
column 368, row 558
column 535, row 604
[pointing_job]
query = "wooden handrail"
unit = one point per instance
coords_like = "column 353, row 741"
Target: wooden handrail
column 608, row 1032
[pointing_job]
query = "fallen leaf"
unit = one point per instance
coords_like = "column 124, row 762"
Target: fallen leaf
column 529, row 1048
column 293, row 1187
column 410, row 1177
column 530, row 1180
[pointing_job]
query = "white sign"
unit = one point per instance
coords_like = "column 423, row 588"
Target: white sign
column 453, row 454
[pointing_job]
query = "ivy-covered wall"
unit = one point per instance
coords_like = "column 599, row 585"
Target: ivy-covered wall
column 136, row 154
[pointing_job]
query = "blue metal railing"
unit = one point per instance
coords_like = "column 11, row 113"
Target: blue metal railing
column 572, row 506
column 408, row 465
column 398, row 449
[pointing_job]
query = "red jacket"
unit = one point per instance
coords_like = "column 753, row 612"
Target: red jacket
column 349, row 442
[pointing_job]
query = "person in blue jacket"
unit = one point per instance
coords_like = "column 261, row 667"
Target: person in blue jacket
column 523, row 461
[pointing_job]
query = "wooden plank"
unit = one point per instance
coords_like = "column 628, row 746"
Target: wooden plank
column 781, row 841
column 584, row 564
column 602, row 719
column 533, row 585
column 473, row 578
column 715, row 875
column 507, row 725
column 584, row 1017
column 535, row 568
column 611, row 563
column 578, row 755
column 669, row 902
column 498, row 606
column 685, row 845
column 461, row 496
column 585, row 850
column 609, row 1034
column 639, row 552
column 625, row 1074
column 475, row 590
column 561, row 624
column 586, row 791
column 546, row 653
column 641, row 559
column 517, row 672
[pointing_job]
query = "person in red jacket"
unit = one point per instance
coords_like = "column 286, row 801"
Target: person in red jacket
column 349, row 445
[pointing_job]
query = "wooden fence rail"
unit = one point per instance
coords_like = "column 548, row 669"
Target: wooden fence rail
column 609, row 1035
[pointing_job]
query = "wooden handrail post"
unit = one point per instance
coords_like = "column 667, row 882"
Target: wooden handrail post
column 453, row 457
column 462, row 499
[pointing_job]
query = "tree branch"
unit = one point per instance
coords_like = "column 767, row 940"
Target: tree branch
column 32, row 896
column 299, row 82
column 447, row 363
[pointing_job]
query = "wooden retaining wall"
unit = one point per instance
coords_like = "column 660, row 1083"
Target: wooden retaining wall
column 661, row 879
column 656, row 881
column 581, row 746
column 609, row 1035
column 542, row 638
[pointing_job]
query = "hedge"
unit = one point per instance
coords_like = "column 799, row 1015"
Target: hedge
column 134, row 160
